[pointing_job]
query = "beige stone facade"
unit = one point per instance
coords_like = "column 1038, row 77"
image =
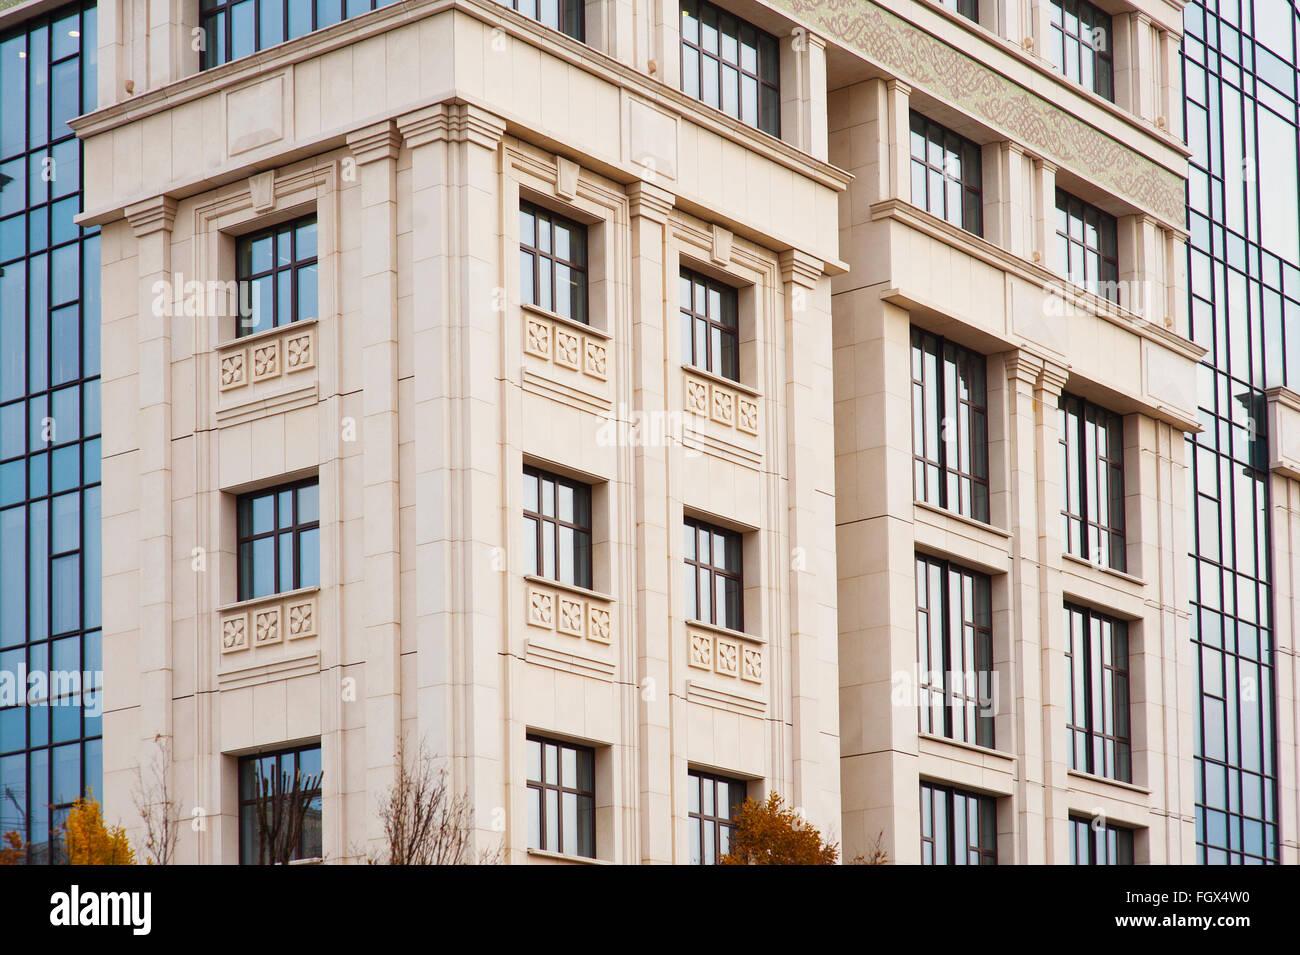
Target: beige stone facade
column 423, row 387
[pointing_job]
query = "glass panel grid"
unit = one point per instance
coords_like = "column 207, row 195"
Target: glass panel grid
column 954, row 632
column 957, row 827
column 50, row 541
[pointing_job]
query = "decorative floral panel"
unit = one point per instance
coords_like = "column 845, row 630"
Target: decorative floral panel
column 283, row 354
column 268, row 621
column 731, row 657
column 565, row 346
column 729, row 407
column 570, row 613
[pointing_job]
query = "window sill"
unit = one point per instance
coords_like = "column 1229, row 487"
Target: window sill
column 1110, row 571
column 242, row 340
column 570, row 323
column 269, row 598
column 970, row 747
column 569, row 588
column 721, row 380
column 962, row 519
column 725, row 631
column 1106, row 781
column 566, row 857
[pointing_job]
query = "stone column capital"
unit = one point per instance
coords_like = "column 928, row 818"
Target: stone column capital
column 373, row 143
column 152, row 215
column 650, row 201
column 800, row 268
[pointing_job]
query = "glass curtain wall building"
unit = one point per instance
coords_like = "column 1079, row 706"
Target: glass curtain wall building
column 1244, row 278
column 50, row 750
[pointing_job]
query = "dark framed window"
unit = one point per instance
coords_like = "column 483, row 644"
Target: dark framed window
column 279, row 539
column 557, row 528
column 732, row 65
column 1096, row 665
column 970, row 9
column 235, row 28
column 950, row 443
column 710, row 325
column 954, row 636
column 552, row 262
column 277, row 276
column 1087, row 246
column 280, row 806
column 714, row 803
column 51, row 750
column 567, row 16
column 1081, row 45
column 947, row 178
column 714, row 581
column 957, row 827
column 1099, row 844
column 1092, row 482
column 561, row 797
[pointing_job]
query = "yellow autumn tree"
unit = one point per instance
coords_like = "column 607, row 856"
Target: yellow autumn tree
column 87, row 841
column 771, row 833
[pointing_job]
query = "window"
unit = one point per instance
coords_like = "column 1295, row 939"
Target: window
column 713, row 576
column 715, row 802
column 557, row 528
column 957, row 827
column 954, row 635
column 946, row 174
column 732, row 65
column 563, row 15
column 1087, row 246
column 1081, row 45
column 552, row 263
column 277, row 276
column 710, row 335
column 1092, row 482
column 280, row 807
column 949, row 426
column 235, row 28
column 970, row 9
column 279, row 540
column 1096, row 844
column 1096, row 665
column 561, row 797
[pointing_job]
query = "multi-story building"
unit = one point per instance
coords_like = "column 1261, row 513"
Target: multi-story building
column 643, row 405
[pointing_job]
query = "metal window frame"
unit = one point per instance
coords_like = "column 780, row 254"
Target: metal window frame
column 1078, row 456
column 1097, row 698
column 947, row 353
column 540, row 519
column 720, row 64
column 699, row 779
column 531, row 296
column 712, row 571
column 951, row 573
column 243, row 247
column 294, row 531
column 696, row 312
column 1105, row 284
column 970, row 181
column 988, row 855
column 279, row 755
column 543, row 787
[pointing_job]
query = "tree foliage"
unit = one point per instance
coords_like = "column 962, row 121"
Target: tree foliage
column 88, row 841
column 12, row 849
column 771, row 833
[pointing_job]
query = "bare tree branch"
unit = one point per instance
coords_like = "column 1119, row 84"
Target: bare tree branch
column 153, row 801
column 425, row 823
